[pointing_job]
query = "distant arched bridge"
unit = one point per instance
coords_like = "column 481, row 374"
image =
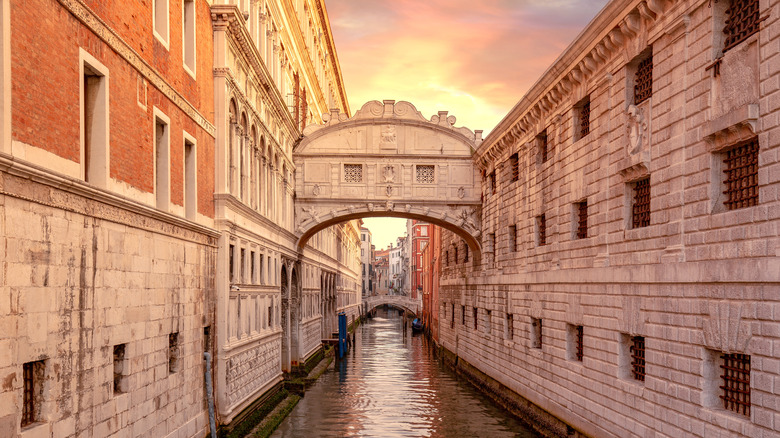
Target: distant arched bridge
column 401, row 301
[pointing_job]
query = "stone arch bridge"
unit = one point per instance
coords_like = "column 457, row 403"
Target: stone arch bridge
column 388, row 160
column 409, row 304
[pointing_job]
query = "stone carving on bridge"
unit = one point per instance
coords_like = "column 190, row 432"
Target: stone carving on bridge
column 389, row 138
column 316, row 190
column 388, row 173
column 389, row 191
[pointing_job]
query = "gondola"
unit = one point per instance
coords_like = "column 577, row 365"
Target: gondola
column 417, row 325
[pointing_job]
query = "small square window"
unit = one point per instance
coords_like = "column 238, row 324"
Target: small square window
column 632, row 357
column 643, row 80
column 735, row 382
column 582, row 118
column 581, row 212
column 353, row 173
column 425, row 174
column 740, row 168
column 536, row 332
column 574, row 344
column 514, row 164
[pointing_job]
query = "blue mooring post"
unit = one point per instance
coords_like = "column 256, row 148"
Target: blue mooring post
column 342, row 334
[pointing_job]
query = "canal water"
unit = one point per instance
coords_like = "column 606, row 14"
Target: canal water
column 391, row 385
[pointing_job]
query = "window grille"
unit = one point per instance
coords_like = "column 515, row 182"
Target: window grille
column 585, row 118
column 476, row 316
column 742, row 21
column 537, row 332
column 582, row 222
column 425, row 174
column 736, row 383
column 512, row 238
column 579, row 343
column 741, row 168
column 510, row 326
column 462, row 315
column 353, row 173
column 452, row 315
column 643, row 85
column 641, row 207
column 543, row 146
column 514, row 162
column 542, row 230
column 637, row 351
column 28, row 406
column 492, row 178
column 173, row 352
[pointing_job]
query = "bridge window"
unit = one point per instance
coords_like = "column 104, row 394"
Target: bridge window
column 536, row 332
column 425, row 174
column 353, row 173
column 640, row 208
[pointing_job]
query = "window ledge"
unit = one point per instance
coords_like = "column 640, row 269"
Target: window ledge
column 733, row 127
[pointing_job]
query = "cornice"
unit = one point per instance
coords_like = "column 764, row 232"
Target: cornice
column 95, row 24
column 588, row 54
column 323, row 13
column 229, row 19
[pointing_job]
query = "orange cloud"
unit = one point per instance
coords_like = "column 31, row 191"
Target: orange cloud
column 474, row 60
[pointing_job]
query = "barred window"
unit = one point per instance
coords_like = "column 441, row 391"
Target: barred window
column 33, row 374
column 425, row 174
column 465, row 251
column 512, row 238
column 579, row 342
column 462, row 315
column 455, row 252
column 735, row 382
column 119, row 368
column 514, row 163
column 643, row 80
column 541, row 230
column 510, row 326
column 452, row 315
column 742, row 21
column 640, row 210
column 544, row 151
column 582, row 219
column 536, row 332
column 637, row 351
column 492, row 180
column 173, row 352
column 583, row 118
column 492, row 243
column 446, row 258
column 740, row 164
column 353, row 173
column 476, row 318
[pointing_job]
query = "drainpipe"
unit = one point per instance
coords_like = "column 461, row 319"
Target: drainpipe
column 210, row 394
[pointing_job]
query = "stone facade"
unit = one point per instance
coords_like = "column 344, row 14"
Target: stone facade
column 611, row 300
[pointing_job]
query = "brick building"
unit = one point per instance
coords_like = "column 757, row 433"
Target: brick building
column 630, row 249
column 419, row 232
column 430, row 267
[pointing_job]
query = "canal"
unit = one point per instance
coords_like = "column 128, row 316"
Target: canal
column 391, row 385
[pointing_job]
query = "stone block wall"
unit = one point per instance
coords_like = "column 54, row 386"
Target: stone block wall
column 697, row 282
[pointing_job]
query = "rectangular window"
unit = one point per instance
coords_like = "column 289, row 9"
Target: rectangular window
column 353, row 173
column 582, row 118
column 640, row 208
column 446, row 258
column 424, row 231
column 252, row 266
column 425, row 174
column 231, row 263
column 735, row 382
column 541, row 230
column 643, row 80
column 574, row 342
column 207, row 338
column 510, row 326
column 190, row 179
column 33, row 374
column 188, row 36
column 581, row 210
column 492, row 179
column 94, row 120
column 544, row 152
column 740, row 166
column 160, row 21
column 536, row 332
column 476, row 317
column 512, row 238
column 242, row 267
column 452, row 315
column 742, row 21
column 119, row 369
column 514, row 163
column 463, row 315
column 465, row 251
column 162, row 160
column 173, row 353
column 455, row 253
column 636, row 353
column 488, row 314
column 492, row 243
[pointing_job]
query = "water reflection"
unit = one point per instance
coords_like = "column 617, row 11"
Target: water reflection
column 390, row 385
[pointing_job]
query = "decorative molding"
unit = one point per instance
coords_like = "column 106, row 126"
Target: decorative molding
column 731, row 128
column 724, row 328
column 79, row 10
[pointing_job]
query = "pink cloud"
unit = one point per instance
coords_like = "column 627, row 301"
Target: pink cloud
column 475, row 62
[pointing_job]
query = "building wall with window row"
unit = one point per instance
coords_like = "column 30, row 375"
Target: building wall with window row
column 630, row 229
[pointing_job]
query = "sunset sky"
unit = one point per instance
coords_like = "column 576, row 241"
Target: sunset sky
column 474, row 59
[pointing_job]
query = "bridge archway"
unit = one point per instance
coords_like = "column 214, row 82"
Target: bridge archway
column 388, row 160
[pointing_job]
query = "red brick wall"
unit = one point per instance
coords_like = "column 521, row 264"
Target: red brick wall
column 45, row 88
